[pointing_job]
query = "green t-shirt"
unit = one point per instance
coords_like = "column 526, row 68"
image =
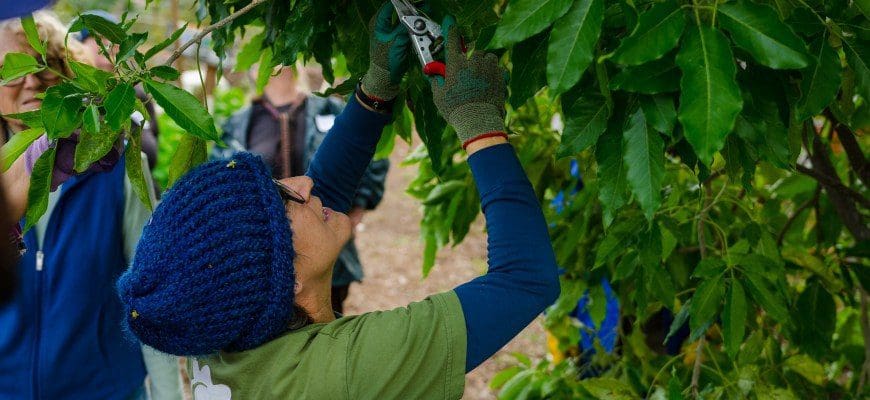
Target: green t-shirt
column 413, row 352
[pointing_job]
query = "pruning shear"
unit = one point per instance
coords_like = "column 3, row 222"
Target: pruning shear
column 426, row 35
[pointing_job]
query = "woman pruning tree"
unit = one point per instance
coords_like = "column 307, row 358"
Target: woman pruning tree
column 236, row 271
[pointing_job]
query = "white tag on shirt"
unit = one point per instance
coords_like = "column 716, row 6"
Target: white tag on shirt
column 324, row 122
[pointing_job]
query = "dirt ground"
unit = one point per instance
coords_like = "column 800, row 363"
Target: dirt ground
column 391, row 250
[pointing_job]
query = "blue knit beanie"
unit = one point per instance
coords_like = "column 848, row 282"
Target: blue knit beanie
column 214, row 267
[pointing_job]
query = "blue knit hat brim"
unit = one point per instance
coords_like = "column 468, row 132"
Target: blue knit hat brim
column 214, row 267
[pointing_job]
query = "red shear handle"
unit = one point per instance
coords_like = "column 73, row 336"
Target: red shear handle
column 435, row 68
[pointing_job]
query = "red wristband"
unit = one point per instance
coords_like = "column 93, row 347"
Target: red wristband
column 484, row 136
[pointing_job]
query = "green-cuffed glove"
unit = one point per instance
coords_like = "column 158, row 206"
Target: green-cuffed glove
column 471, row 97
column 388, row 52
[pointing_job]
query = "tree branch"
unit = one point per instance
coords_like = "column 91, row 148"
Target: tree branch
column 825, row 173
column 217, row 25
column 853, row 149
column 835, row 184
column 797, row 212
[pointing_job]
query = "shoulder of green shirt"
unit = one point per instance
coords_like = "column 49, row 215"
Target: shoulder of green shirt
column 417, row 351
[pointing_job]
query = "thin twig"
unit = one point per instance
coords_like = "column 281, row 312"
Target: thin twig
column 702, row 246
column 217, row 25
column 797, row 212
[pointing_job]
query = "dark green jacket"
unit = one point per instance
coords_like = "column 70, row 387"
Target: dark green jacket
column 318, row 112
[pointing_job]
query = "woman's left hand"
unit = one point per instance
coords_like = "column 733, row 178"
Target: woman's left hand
column 388, row 52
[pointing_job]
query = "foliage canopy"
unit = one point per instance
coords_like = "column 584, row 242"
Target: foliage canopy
column 722, row 172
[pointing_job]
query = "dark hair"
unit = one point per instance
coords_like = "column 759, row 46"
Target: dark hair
column 300, row 319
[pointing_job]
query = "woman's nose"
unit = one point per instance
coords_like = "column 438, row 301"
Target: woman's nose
column 32, row 82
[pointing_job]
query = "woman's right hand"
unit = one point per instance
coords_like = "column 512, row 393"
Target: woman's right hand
column 471, row 96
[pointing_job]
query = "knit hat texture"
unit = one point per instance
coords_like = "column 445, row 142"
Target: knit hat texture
column 214, row 267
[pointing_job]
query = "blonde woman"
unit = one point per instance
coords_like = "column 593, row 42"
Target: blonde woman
column 61, row 335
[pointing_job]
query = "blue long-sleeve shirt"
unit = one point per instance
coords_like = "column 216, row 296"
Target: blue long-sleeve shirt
column 522, row 278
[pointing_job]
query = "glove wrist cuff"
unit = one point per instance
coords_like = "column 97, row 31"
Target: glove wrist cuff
column 377, row 83
column 475, row 120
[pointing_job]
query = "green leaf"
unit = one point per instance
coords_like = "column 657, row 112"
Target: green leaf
column 443, row 191
column 669, row 242
column 709, row 267
column 705, row 303
column 757, row 29
column 525, row 18
column 264, row 71
column 191, row 152
column 184, row 109
column 806, row 367
column 89, row 78
column 40, row 187
column 679, row 320
column 659, row 76
column 858, row 57
column 612, row 174
column 119, row 105
column 585, row 120
column 675, row 388
column 32, row 34
column 608, row 388
column 165, row 72
column 130, row 45
column 528, row 74
column 626, row 267
column 660, row 283
column 766, row 296
column 16, row 146
column 60, row 110
column 91, row 122
column 17, row 65
column 499, row 379
column 516, row 384
column 660, row 112
column 644, row 157
column 734, row 318
column 710, row 98
column 133, row 165
column 31, row 119
column 658, row 31
column 572, row 44
column 105, row 28
column 815, row 317
column 164, row 44
column 864, row 6
column 342, row 89
column 618, row 237
column 93, row 146
column 821, row 80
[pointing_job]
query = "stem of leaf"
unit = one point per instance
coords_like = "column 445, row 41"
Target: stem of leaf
column 715, row 10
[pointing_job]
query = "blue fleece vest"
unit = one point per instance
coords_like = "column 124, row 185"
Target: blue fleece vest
column 60, row 337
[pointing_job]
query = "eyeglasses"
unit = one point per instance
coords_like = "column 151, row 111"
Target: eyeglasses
column 288, row 194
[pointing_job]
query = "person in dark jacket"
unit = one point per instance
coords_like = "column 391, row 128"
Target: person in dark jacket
column 235, row 269
column 285, row 126
column 63, row 315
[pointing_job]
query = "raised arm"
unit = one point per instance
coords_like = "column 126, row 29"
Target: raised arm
column 522, row 278
column 341, row 160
